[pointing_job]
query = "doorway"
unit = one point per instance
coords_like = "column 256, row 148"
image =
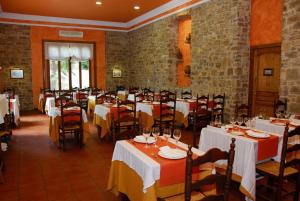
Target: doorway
column 264, row 79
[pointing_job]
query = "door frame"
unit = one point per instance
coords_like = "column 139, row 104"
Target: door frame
column 253, row 50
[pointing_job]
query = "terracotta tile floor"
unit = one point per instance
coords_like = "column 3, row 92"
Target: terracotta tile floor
column 36, row 170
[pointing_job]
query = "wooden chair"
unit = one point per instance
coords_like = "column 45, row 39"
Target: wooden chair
column 167, row 114
column 96, row 92
column 218, row 107
column 5, row 132
column 148, row 94
column 127, row 124
column 82, row 98
column 242, row 111
column 201, row 117
column 280, row 106
column 194, row 188
column 133, row 90
column 110, row 97
column 139, row 97
column 186, row 94
column 71, row 122
column 1, row 167
column 63, row 98
column 281, row 174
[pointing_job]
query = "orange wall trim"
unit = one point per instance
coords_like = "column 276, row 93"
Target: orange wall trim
column 266, row 22
column 39, row 34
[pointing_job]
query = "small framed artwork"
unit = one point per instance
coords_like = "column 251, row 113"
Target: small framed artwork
column 268, row 72
column 16, row 74
column 117, row 73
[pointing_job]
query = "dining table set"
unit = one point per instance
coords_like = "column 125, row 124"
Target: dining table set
column 55, row 122
column 157, row 173
column 154, row 171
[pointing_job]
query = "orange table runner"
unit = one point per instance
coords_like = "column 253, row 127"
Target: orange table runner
column 267, row 147
column 171, row 171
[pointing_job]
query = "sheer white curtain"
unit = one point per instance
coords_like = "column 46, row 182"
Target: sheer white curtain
column 61, row 51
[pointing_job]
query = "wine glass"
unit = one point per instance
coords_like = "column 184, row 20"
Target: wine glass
column 167, row 134
column 146, row 134
column 155, row 133
column 177, row 136
column 232, row 121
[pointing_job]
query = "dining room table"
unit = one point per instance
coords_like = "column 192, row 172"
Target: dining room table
column 55, row 120
column 152, row 172
column 253, row 146
column 103, row 114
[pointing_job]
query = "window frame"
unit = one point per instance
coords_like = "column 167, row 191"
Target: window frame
column 92, row 65
column 70, row 73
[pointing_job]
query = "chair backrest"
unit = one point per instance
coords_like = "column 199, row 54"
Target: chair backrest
column 222, row 182
column 126, row 121
column 149, row 95
column 133, row 90
column 96, row 91
column 138, row 97
column 186, row 94
column 218, row 106
column 242, row 111
column 61, row 100
column 202, row 103
column 295, row 161
column 280, row 106
column 71, row 115
column 167, row 111
column 110, row 97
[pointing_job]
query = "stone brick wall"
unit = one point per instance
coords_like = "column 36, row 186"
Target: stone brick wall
column 117, row 56
column 15, row 52
column 153, row 54
column 220, row 50
column 290, row 55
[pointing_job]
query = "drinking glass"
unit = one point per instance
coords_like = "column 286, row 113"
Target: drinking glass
column 177, row 136
column 232, row 121
column 155, row 133
column 146, row 134
column 167, row 134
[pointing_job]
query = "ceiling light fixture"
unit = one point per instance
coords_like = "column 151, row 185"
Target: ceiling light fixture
column 98, row 2
column 136, row 7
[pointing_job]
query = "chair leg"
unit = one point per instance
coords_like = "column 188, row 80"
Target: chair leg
column 1, row 174
column 296, row 195
column 63, row 142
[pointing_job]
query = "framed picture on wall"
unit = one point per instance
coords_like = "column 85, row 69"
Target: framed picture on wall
column 117, row 73
column 16, row 74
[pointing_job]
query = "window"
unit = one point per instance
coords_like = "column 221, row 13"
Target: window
column 69, row 65
column 68, row 74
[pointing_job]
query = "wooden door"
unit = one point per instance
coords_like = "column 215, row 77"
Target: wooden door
column 265, row 79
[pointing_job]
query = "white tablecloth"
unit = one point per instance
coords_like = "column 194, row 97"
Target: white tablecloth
column 147, row 168
column 55, row 111
column 16, row 109
column 145, row 107
column 266, row 125
column 101, row 110
column 3, row 107
column 50, row 103
column 245, row 153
